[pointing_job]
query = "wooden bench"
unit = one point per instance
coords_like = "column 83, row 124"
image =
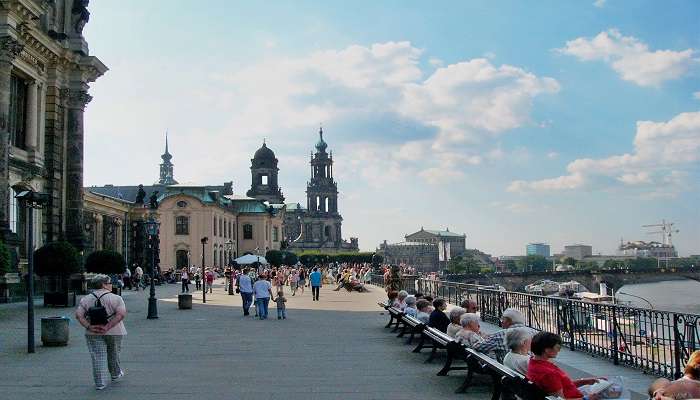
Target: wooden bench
column 411, row 325
column 394, row 316
column 438, row 339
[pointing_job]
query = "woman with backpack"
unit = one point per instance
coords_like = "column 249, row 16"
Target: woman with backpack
column 102, row 313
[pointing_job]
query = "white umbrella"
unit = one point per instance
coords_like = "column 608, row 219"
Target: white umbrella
column 250, row 259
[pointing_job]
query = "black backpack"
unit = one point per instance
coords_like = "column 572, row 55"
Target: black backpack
column 97, row 314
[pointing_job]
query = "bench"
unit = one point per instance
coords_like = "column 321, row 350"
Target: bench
column 411, row 325
column 438, row 339
column 394, row 315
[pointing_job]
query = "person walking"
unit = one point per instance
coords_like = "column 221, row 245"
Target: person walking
column 294, row 282
column 245, row 286
column 185, row 281
column 127, row 278
column 138, row 275
column 281, row 306
column 210, row 279
column 263, row 291
column 302, row 279
column 104, row 329
column 315, row 280
column 197, row 280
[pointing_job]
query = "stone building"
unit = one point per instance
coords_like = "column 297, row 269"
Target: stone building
column 233, row 225
column 318, row 226
column 106, row 221
column 426, row 250
column 45, row 69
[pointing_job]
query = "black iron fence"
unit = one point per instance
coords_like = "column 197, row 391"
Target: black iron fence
column 655, row 341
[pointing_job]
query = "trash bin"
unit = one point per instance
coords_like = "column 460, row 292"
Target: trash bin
column 184, row 301
column 55, row 331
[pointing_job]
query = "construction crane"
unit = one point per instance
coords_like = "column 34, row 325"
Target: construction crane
column 666, row 231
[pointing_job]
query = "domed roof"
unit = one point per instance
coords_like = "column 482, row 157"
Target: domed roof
column 264, row 153
column 321, row 145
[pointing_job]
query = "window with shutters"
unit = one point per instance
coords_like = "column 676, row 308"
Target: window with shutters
column 247, row 231
column 182, row 225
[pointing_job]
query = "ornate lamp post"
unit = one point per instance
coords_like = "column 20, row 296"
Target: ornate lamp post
column 31, row 200
column 204, row 281
column 229, row 248
column 152, row 231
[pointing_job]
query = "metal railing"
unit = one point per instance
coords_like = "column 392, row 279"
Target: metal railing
column 655, row 341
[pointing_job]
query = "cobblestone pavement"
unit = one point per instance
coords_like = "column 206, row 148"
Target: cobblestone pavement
column 331, row 349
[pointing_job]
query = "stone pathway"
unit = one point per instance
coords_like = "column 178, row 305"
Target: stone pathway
column 331, row 349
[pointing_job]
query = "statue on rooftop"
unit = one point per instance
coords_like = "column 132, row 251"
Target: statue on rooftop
column 153, row 201
column 80, row 15
column 140, row 196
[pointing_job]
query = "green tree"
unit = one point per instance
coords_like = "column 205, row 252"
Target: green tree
column 456, row 265
column 569, row 261
column 533, row 263
column 290, row 258
column 105, row 262
column 57, row 259
column 510, row 265
column 275, row 257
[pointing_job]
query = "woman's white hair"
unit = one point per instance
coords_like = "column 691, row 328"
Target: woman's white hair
column 515, row 337
column 456, row 312
column 465, row 319
column 411, row 300
column 98, row 280
column 403, row 294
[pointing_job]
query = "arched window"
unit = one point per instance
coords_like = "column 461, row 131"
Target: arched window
column 182, row 225
column 328, row 205
column 214, row 226
column 215, row 254
column 247, row 231
column 181, row 259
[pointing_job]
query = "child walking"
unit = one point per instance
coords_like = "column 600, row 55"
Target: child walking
column 281, row 307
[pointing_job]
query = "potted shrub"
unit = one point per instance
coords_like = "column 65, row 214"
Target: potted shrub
column 57, row 261
column 107, row 262
column 7, row 277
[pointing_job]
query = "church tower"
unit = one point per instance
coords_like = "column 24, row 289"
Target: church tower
column 322, row 193
column 166, row 168
column 263, row 170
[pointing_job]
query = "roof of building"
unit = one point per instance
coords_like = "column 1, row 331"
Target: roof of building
column 129, row 193
column 321, row 145
column 249, row 206
column 294, row 206
column 264, row 153
column 443, row 233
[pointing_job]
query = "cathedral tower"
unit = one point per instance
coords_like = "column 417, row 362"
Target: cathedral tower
column 166, row 168
column 322, row 193
column 263, row 170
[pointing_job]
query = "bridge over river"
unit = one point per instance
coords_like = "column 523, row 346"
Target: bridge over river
column 615, row 279
column 331, row 349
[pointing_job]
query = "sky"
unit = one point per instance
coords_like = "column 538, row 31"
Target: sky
column 511, row 122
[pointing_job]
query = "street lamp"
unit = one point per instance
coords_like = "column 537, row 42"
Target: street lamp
column 229, row 247
column 152, row 231
column 204, row 281
column 31, row 200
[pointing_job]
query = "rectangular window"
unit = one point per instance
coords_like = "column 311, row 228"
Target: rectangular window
column 263, row 179
column 14, row 212
column 214, row 226
column 17, row 116
column 275, row 234
column 247, row 231
column 182, row 225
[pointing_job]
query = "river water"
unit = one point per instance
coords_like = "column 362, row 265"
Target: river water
column 679, row 296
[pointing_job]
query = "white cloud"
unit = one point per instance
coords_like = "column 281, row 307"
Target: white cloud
column 435, row 62
column 661, row 151
column 696, row 95
column 599, row 3
column 631, row 58
column 552, row 155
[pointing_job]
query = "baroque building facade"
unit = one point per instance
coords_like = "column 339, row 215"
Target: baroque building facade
column 45, row 71
column 233, row 225
column 426, row 250
column 316, row 226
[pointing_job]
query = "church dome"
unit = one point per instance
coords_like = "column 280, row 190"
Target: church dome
column 321, row 145
column 264, row 153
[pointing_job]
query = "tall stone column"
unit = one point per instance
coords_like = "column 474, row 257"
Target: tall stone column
column 77, row 99
column 9, row 49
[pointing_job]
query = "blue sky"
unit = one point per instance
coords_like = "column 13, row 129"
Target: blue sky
column 563, row 122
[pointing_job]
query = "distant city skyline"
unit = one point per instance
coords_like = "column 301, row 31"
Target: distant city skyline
column 512, row 123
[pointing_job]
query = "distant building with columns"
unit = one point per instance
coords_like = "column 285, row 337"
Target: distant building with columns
column 45, row 71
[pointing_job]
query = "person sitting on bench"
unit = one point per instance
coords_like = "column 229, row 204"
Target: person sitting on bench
column 550, row 378
column 470, row 334
column 496, row 342
column 454, row 325
column 518, row 341
column 424, row 309
column 410, row 307
column 438, row 319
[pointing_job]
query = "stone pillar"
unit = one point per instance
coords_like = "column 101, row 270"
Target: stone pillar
column 32, row 118
column 9, row 50
column 77, row 99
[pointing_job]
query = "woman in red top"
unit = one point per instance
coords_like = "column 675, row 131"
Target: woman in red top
column 548, row 376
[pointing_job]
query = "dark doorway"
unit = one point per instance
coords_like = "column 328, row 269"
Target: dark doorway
column 181, row 259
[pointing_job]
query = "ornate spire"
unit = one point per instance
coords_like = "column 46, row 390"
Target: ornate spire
column 166, row 168
column 321, row 145
column 166, row 156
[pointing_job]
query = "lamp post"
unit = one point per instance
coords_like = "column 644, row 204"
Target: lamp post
column 637, row 297
column 204, row 281
column 229, row 247
column 152, row 231
column 31, row 200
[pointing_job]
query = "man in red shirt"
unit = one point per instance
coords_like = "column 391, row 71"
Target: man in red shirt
column 548, row 376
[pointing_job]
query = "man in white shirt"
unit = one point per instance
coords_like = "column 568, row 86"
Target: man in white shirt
column 245, row 286
column 263, row 291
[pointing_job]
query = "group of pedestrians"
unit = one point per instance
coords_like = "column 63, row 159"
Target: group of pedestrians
column 186, row 275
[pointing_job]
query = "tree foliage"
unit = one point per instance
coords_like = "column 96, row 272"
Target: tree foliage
column 105, row 262
column 533, row 263
column 275, row 257
column 57, row 259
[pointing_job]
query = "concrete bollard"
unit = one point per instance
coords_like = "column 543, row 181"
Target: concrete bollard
column 184, row 301
column 55, row 331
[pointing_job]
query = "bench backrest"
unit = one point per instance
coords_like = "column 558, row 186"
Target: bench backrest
column 438, row 336
column 412, row 321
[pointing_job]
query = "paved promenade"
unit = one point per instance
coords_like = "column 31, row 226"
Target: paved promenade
column 331, row 349
column 334, row 348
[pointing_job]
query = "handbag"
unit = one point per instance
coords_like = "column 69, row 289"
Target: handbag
column 238, row 290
